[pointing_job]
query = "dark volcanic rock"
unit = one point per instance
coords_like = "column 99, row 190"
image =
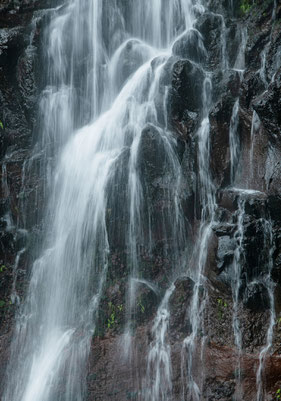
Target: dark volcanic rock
column 210, row 25
column 20, row 200
column 151, row 150
column 225, row 253
column 220, row 119
column 186, row 85
column 268, row 107
column 179, row 306
column 256, row 297
column 190, row 46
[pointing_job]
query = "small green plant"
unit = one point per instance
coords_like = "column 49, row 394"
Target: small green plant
column 111, row 320
column 1, row 125
column 2, row 268
column 221, row 302
column 114, row 311
column 278, row 394
column 2, row 303
column 221, row 306
column 141, row 306
column 245, row 6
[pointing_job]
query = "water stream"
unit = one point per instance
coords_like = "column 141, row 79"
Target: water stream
column 268, row 283
column 100, row 100
column 236, row 286
column 191, row 386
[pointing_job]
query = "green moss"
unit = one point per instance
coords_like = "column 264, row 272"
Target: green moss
column 222, row 305
column 141, row 306
column 245, row 6
column 3, row 268
column 114, row 314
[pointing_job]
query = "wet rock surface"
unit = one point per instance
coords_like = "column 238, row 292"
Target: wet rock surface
column 21, row 184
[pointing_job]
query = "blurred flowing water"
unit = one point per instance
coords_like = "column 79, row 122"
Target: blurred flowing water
column 103, row 64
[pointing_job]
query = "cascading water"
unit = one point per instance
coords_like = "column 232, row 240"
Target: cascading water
column 263, row 57
column 254, row 132
column 236, row 286
column 267, row 281
column 88, row 81
column 158, row 383
column 234, row 142
column 239, row 253
column 191, row 386
column 260, row 278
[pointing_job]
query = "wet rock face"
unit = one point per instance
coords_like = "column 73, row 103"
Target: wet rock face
column 29, row 6
column 117, row 216
column 179, row 307
column 190, row 46
column 256, row 297
column 15, row 135
column 132, row 56
column 187, row 83
column 19, row 90
column 225, row 253
column 268, row 106
column 151, row 163
column 210, row 26
column 220, row 161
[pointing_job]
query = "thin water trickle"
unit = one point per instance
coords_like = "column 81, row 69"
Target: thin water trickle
column 15, row 299
column 234, row 143
column 191, row 386
column 234, row 140
column 236, row 285
column 158, row 382
column 254, row 132
column 239, row 64
column 263, row 73
column 5, row 186
column 270, row 286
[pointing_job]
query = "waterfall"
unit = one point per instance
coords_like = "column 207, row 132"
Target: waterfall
column 100, row 103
